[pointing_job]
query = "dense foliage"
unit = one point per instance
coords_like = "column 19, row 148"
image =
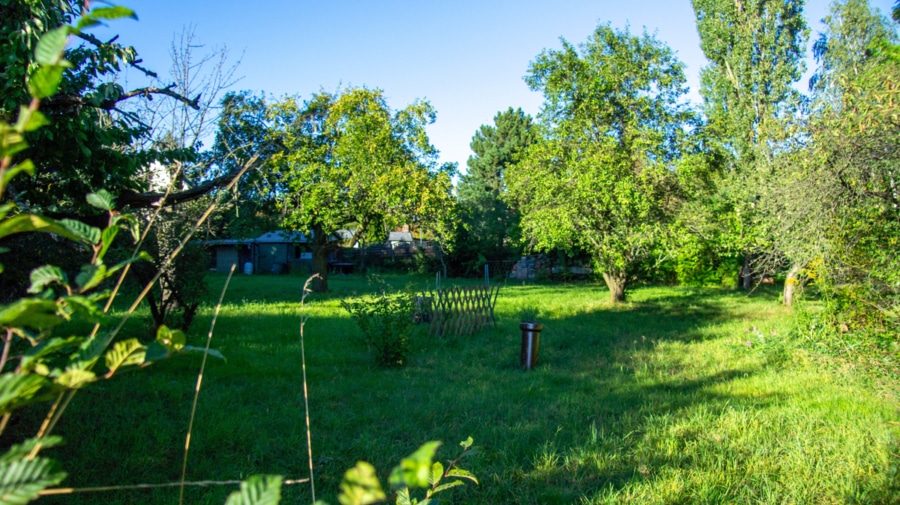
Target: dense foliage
column 489, row 220
column 386, row 320
column 347, row 161
column 601, row 180
column 761, row 182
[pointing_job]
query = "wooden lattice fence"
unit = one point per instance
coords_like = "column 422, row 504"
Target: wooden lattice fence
column 461, row 310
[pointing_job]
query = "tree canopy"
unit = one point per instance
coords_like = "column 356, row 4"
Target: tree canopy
column 348, row 161
column 491, row 223
column 601, row 179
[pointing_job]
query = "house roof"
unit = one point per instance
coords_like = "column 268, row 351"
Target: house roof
column 400, row 236
column 272, row 237
column 281, row 237
column 343, row 234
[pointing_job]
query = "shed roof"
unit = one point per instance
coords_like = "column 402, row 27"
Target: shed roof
column 281, row 237
column 272, row 237
column 400, row 236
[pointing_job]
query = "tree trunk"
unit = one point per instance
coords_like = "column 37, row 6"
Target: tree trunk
column 440, row 251
column 362, row 257
column 616, row 285
column 790, row 285
column 746, row 276
column 320, row 252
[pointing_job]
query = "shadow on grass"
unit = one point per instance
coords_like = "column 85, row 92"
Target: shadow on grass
column 591, row 418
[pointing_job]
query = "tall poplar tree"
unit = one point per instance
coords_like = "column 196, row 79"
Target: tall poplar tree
column 755, row 50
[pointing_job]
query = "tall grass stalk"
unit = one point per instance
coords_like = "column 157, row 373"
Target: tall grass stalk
column 303, row 318
column 132, row 487
column 187, row 438
column 60, row 405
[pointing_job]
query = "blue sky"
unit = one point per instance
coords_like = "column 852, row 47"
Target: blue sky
column 466, row 57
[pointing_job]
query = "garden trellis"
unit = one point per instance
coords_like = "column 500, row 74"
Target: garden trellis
column 461, row 310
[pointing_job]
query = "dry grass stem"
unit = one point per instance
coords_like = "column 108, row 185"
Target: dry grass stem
column 187, row 439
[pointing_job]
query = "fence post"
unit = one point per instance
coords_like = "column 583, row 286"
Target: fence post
column 487, row 275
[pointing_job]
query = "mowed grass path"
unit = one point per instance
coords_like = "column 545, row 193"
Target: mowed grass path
column 681, row 396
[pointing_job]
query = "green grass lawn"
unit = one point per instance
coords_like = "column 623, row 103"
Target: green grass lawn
column 681, row 396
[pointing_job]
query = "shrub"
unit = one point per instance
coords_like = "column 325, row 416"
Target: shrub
column 386, row 321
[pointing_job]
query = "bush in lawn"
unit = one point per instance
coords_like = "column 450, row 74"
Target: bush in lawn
column 386, row 321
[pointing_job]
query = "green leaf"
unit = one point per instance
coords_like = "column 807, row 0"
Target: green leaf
column 360, row 486
column 212, row 352
column 7, row 207
column 45, row 349
column 31, row 313
column 465, row 444
column 42, row 277
column 26, row 166
column 45, row 81
column 125, row 353
column 19, row 451
column 403, row 497
column 437, row 472
column 91, row 276
column 21, row 481
column 75, row 378
column 462, row 474
column 86, row 308
column 257, row 490
column 102, row 200
column 86, row 22
column 17, row 389
column 29, row 222
column 172, row 340
column 50, row 47
column 11, row 141
column 88, row 353
column 155, row 352
column 113, row 12
column 85, row 233
column 94, row 17
column 415, row 470
column 106, row 240
column 129, row 222
column 30, row 121
column 446, row 486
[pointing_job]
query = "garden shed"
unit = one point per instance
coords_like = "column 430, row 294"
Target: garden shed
column 271, row 252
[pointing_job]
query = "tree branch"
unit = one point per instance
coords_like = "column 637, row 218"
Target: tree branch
column 68, row 101
column 154, row 199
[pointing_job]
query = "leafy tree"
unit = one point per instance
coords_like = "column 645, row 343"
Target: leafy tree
column 601, row 180
column 177, row 126
column 805, row 195
column 755, row 52
column 89, row 118
column 490, row 223
column 346, row 160
column 853, row 172
column 44, row 356
column 99, row 135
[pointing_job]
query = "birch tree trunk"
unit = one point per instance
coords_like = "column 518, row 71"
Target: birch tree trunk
column 790, row 285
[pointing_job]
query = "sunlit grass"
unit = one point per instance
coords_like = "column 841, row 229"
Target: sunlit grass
column 679, row 396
